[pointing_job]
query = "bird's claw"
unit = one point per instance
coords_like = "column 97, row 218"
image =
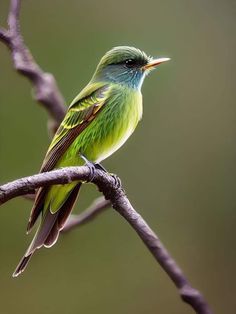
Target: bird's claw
column 117, row 180
column 91, row 167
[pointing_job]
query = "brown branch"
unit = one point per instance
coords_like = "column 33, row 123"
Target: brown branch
column 28, row 185
column 45, row 88
column 121, row 204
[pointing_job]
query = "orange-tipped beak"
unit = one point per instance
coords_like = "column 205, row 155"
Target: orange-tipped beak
column 154, row 63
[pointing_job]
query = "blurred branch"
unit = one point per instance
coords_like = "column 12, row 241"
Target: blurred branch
column 29, row 196
column 45, row 88
column 119, row 201
column 97, row 207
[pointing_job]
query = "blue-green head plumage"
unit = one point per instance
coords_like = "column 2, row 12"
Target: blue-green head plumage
column 125, row 65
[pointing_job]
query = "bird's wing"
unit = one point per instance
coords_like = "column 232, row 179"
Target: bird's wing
column 84, row 108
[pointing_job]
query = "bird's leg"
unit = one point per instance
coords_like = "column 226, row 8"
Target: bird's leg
column 100, row 167
column 90, row 165
column 93, row 165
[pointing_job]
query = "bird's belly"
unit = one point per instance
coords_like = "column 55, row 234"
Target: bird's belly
column 114, row 142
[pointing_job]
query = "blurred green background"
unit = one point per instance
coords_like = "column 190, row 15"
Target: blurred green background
column 178, row 168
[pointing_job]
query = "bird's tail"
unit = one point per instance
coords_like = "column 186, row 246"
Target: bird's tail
column 49, row 229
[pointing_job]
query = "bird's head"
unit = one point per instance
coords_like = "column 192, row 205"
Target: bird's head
column 126, row 65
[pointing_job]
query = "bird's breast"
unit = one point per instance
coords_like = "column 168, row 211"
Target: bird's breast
column 113, row 126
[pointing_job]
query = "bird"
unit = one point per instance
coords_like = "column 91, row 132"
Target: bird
column 98, row 122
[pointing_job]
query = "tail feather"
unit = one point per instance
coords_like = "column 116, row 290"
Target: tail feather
column 63, row 215
column 67, row 206
column 49, row 229
column 37, row 208
column 53, row 236
column 22, row 265
column 38, row 241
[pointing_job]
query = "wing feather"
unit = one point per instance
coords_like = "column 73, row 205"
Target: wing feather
column 85, row 107
column 80, row 114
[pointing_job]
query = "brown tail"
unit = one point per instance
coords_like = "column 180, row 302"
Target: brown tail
column 49, row 229
column 37, row 207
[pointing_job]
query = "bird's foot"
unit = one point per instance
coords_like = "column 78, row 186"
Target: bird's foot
column 91, row 167
column 117, row 180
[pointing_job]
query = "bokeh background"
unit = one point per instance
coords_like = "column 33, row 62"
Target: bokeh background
column 178, row 168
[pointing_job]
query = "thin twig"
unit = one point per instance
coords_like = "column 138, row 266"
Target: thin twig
column 29, row 196
column 122, row 205
column 45, row 88
column 97, row 207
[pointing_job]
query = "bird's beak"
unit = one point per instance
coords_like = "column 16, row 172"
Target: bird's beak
column 153, row 63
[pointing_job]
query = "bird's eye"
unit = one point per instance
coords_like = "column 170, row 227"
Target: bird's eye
column 130, row 63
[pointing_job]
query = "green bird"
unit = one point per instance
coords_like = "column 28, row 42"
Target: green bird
column 98, row 122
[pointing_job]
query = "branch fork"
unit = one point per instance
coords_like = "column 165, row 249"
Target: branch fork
column 45, row 87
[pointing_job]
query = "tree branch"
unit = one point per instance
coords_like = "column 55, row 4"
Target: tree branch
column 4, row 36
column 120, row 202
column 45, row 88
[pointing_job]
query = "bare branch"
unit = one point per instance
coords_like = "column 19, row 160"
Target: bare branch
column 120, row 202
column 13, row 17
column 97, row 207
column 28, row 185
column 4, row 36
column 45, row 87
